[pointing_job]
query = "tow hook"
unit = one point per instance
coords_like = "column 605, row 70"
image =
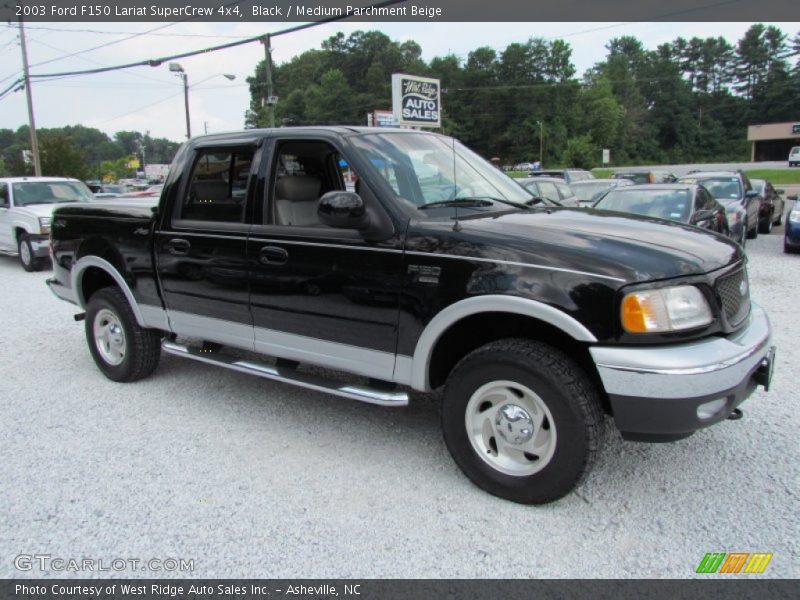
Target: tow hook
column 736, row 414
column 79, row 316
column 763, row 375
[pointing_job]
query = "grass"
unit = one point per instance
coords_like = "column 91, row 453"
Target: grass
column 776, row 177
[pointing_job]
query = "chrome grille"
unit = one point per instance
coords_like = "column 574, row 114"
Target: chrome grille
column 735, row 304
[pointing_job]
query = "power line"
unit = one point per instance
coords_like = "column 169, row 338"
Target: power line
column 149, row 33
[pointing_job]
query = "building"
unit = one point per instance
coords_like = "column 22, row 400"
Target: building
column 772, row 141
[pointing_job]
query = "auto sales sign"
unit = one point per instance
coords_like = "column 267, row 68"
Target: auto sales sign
column 416, row 101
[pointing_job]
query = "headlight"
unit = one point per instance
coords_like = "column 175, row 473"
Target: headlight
column 794, row 216
column 668, row 309
column 44, row 224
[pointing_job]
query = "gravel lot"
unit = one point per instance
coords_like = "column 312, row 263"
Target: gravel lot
column 256, row 479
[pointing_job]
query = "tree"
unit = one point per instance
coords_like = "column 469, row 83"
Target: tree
column 330, row 102
column 61, row 157
column 581, row 153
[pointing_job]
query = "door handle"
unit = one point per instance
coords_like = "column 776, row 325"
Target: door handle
column 272, row 255
column 178, row 247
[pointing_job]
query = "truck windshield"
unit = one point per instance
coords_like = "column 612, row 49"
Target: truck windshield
column 50, row 192
column 435, row 173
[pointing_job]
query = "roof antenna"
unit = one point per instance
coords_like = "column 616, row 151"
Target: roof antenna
column 456, row 225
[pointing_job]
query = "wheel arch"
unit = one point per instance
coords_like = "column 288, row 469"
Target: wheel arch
column 90, row 272
column 468, row 324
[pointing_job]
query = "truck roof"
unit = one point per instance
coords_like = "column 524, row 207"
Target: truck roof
column 32, row 178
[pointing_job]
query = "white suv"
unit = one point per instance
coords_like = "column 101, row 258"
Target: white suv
column 794, row 157
column 26, row 206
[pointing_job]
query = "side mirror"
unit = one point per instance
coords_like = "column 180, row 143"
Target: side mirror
column 343, row 210
column 751, row 194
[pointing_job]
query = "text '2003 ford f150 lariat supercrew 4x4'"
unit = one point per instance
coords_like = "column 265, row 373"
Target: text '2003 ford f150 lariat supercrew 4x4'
column 406, row 260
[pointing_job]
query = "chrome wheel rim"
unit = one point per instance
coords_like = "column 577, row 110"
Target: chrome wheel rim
column 24, row 253
column 510, row 428
column 109, row 337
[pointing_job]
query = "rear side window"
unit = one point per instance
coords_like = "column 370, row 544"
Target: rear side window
column 564, row 191
column 217, row 189
column 548, row 190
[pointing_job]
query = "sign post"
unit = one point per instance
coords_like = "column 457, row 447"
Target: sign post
column 606, row 156
column 416, row 101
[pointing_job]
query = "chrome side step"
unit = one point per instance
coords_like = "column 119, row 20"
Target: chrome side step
column 290, row 376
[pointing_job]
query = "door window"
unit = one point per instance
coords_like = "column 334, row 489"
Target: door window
column 217, row 189
column 3, row 195
column 548, row 190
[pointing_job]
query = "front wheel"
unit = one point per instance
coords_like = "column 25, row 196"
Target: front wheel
column 765, row 226
column 752, row 232
column 27, row 258
column 121, row 349
column 522, row 420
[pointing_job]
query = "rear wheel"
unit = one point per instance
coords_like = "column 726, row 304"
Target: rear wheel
column 521, row 420
column 752, row 232
column 122, row 349
column 765, row 226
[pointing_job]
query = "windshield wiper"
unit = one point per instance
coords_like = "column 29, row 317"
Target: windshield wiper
column 467, row 202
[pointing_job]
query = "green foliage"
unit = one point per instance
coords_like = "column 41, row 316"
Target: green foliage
column 61, row 157
column 581, row 153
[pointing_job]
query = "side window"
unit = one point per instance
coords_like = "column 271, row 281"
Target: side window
column 305, row 170
column 564, row 191
column 4, row 196
column 548, row 190
column 217, row 190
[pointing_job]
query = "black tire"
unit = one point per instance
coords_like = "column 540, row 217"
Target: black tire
column 565, row 390
column 780, row 218
column 752, row 232
column 24, row 249
column 765, row 225
column 142, row 347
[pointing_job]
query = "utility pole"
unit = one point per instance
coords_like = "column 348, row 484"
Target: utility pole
column 541, row 143
column 37, row 165
column 268, row 69
column 186, row 103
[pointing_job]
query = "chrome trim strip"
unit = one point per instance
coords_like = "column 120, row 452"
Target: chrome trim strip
column 304, row 380
column 488, row 303
column 516, row 264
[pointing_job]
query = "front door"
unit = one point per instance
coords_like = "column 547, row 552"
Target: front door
column 318, row 294
column 6, row 234
column 201, row 248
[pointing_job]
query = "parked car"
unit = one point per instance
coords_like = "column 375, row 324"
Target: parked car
column 734, row 190
column 154, row 191
column 568, row 175
column 588, row 192
column 794, row 157
column 534, row 321
column 686, row 203
column 111, row 191
column 772, row 205
column 26, row 206
column 551, row 188
column 646, row 176
column 791, row 235
column 525, row 166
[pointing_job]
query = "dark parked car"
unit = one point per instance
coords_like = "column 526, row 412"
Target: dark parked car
column 588, row 192
column 734, row 190
column 682, row 202
column 551, row 188
column 640, row 177
column 568, row 175
column 772, row 205
column 534, row 320
column 791, row 235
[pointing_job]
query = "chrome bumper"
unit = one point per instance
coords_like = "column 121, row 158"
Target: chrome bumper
column 657, row 390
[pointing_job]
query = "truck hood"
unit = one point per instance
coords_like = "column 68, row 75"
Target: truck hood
column 625, row 247
column 38, row 210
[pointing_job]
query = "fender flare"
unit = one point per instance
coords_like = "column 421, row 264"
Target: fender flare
column 84, row 263
column 454, row 313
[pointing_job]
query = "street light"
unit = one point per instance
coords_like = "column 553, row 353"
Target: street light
column 179, row 71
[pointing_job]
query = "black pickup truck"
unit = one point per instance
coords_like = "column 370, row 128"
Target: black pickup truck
column 407, row 261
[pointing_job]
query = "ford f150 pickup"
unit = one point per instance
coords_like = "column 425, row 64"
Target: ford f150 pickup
column 407, row 261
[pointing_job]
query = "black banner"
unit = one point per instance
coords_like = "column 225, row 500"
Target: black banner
column 387, row 589
column 277, row 11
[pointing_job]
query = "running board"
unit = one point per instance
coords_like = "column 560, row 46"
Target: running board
column 291, row 376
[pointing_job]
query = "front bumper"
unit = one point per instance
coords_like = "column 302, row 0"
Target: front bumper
column 655, row 392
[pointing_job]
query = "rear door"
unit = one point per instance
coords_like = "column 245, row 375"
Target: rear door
column 202, row 244
column 318, row 294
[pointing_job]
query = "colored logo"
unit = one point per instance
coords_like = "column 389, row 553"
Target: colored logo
column 734, row 562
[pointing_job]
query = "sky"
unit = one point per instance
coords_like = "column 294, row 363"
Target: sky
column 148, row 99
